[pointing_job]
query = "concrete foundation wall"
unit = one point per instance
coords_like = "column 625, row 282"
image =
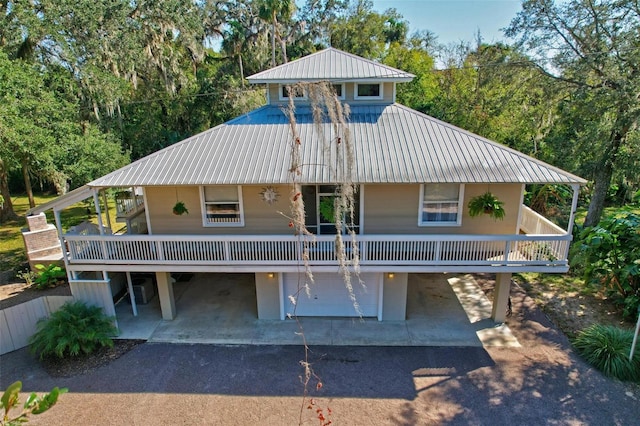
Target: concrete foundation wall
column 268, row 295
column 394, row 291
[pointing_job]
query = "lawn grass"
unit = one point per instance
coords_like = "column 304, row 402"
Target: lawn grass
column 12, row 251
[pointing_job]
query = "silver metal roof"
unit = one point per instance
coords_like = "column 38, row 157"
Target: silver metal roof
column 392, row 144
column 333, row 65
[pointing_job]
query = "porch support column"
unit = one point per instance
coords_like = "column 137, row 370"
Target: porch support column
column 394, row 296
column 165, row 293
column 501, row 297
column 269, row 295
column 574, row 207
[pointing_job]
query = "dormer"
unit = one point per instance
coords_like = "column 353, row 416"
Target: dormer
column 355, row 79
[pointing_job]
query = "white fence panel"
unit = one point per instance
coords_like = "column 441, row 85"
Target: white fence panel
column 6, row 342
column 18, row 323
column 94, row 292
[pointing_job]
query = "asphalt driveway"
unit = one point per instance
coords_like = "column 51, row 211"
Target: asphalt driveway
column 542, row 382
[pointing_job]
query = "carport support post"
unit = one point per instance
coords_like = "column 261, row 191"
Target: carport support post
column 501, row 297
column 165, row 293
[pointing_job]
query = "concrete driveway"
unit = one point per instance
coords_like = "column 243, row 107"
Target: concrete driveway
column 540, row 383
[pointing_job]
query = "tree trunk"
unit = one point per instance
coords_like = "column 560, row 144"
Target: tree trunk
column 6, row 211
column 241, row 69
column 273, row 41
column 596, row 206
column 27, row 183
column 604, row 173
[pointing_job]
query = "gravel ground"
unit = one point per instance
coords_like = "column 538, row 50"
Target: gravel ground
column 161, row 384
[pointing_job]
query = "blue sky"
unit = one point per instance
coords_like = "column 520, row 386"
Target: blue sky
column 455, row 20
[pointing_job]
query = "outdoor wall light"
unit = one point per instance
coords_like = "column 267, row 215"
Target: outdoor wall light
column 391, row 275
column 270, row 274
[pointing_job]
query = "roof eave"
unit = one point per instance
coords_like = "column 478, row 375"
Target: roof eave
column 332, row 80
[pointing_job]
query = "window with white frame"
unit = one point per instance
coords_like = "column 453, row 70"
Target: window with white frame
column 297, row 91
column 368, row 91
column 441, row 204
column 222, row 205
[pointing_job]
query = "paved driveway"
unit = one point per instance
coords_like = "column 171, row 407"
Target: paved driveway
column 541, row 382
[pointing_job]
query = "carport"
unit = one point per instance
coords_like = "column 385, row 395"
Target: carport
column 442, row 310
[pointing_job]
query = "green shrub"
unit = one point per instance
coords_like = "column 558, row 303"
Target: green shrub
column 49, row 276
column 74, row 329
column 607, row 348
column 610, row 255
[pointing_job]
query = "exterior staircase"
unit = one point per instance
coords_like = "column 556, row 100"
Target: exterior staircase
column 42, row 242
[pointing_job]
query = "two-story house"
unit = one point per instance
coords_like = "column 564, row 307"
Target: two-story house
column 415, row 176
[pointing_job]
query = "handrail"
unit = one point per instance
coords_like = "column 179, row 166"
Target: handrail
column 288, row 249
column 534, row 223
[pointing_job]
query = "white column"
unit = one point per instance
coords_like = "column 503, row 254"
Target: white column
column 574, row 206
column 501, row 297
column 132, row 296
column 165, row 293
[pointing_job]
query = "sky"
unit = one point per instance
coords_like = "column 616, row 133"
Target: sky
column 454, row 21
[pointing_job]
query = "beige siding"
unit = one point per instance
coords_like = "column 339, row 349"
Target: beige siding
column 259, row 217
column 393, row 209
column 388, row 209
column 387, row 92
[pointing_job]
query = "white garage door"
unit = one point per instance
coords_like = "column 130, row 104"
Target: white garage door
column 330, row 298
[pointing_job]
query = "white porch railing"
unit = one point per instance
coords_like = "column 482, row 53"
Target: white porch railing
column 276, row 250
column 532, row 222
column 128, row 203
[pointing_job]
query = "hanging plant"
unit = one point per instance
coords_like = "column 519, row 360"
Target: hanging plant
column 488, row 204
column 179, row 209
column 327, row 209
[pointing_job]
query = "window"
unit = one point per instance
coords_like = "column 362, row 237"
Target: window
column 369, row 91
column 222, row 206
column 441, row 204
column 318, row 201
column 339, row 89
column 298, row 93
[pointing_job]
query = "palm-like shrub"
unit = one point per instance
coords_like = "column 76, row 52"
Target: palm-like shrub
column 607, row 348
column 73, row 329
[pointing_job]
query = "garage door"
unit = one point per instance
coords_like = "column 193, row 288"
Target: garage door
column 330, row 298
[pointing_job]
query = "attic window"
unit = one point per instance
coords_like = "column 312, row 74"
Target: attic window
column 339, row 89
column 368, row 91
column 222, row 205
column 298, row 92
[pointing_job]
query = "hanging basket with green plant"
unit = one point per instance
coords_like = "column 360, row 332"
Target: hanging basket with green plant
column 179, row 209
column 488, row 204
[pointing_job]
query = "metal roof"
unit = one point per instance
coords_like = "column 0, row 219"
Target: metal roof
column 333, row 65
column 392, row 144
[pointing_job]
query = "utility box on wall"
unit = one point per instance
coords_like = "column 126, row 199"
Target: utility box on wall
column 143, row 290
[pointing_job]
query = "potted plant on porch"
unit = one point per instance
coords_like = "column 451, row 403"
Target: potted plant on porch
column 488, row 204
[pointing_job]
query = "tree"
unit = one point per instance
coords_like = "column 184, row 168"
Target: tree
column 591, row 48
column 367, row 33
column 269, row 11
column 28, row 111
column 414, row 58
